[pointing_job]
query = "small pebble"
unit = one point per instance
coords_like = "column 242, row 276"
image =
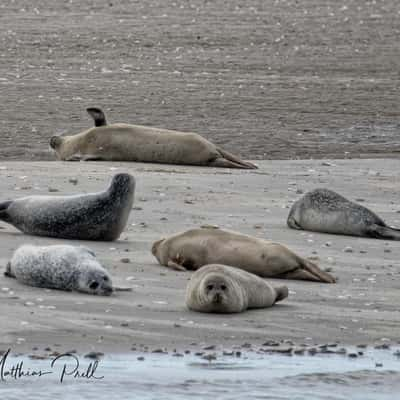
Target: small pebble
column 94, row 355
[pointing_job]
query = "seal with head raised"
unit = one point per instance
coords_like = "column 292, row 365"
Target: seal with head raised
column 192, row 249
column 61, row 267
column 221, row 289
column 124, row 142
column 323, row 210
column 95, row 216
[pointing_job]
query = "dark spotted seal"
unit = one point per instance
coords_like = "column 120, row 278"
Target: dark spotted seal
column 96, row 216
column 192, row 249
column 60, row 267
column 323, row 210
column 221, row 289
column 123, row 142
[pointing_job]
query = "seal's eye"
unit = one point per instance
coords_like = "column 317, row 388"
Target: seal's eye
column 94, row 285
column 223, row 287
column 105, row 278
column 210, row 287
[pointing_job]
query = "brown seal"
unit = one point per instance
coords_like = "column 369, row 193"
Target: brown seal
column 123, row 142
column 221, row 289
column 192, row 249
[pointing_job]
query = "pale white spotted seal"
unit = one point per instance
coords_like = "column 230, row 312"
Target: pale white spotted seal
column 323, row 210
column 221, row 289
column 61, row 267
column 123, row 142
column 95, row 216
column 192, row 249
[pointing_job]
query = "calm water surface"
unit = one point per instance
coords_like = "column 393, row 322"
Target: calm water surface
column 252, row 376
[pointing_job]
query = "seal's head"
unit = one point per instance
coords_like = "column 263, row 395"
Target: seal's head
column 55, row 142
column 95, row 281
column 122, row 183
column 156, row 247
column 60, row 146
column 219, row 293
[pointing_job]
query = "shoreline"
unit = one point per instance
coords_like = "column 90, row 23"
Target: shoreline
column 360, row 309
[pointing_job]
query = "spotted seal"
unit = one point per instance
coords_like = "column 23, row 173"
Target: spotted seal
column 221, row 289
column 96, row 216
column 60, row 267
column 323, row 210
column 124, row 142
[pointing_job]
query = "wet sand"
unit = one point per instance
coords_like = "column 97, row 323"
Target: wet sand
column 266, row 80
column 361, row 308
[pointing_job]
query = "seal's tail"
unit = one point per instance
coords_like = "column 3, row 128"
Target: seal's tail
column 3, row 210
column 281, row 293
column 384, row 232
column 8, row 272
column 235, row 161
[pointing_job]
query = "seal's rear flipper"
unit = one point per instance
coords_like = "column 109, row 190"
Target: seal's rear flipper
column 235, row 161
column 383, row 232
column 8, row 272
column 308, row 272
column 98, row 116
column 320, row 276
column 224, row 163
column 3, row 210
column 299, row 274
column 281, row 293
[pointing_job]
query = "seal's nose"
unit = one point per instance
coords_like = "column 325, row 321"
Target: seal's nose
column 217, row 298
column 55, row 141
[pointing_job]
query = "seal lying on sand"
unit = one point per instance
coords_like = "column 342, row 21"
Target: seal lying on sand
column 123, row 142
column 60, row 267
column 222, row 289
column 97, row 216
column 323, row 210
column 192, row 249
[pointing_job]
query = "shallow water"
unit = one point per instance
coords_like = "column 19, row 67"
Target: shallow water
column 251, row 376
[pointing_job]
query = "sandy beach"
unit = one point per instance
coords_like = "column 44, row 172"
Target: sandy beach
column 262, row 79
column 361, row 308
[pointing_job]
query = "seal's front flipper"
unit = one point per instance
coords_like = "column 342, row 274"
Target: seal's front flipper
column 122, row 289
column 383, row 232
column 292, row 223
column 281, row 293
column 92, row 157
column 97, row 115
column 84, row 157
column 8, row 272
column 74, row 157
column 173, row 265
